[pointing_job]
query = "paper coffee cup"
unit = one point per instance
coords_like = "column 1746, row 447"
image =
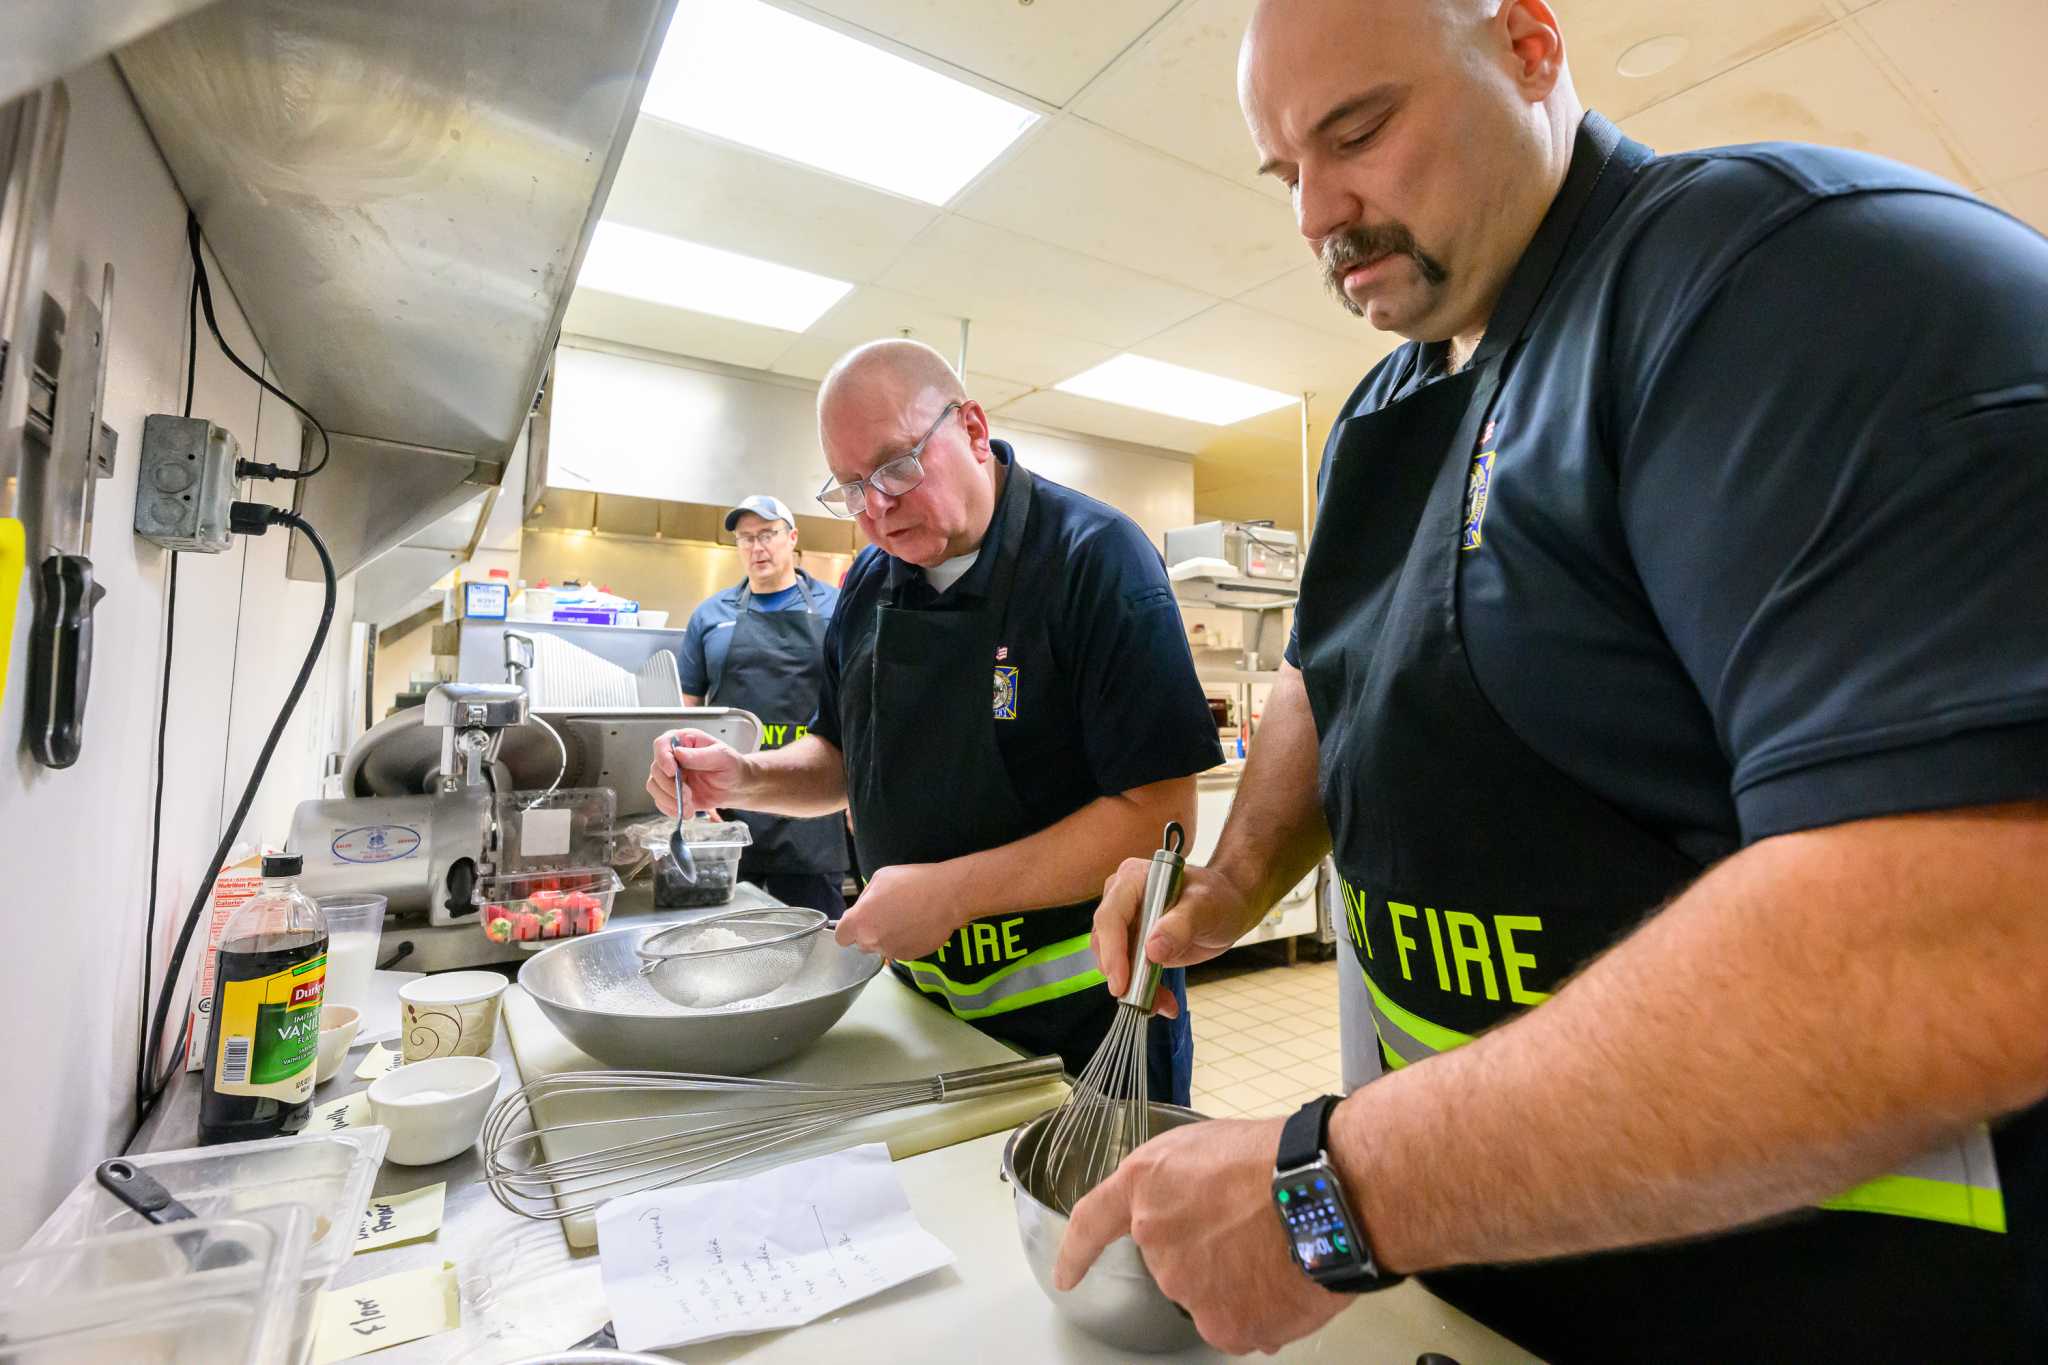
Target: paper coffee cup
column 451, row 1014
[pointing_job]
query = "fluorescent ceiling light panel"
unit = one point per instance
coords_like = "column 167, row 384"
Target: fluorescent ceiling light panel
column 755, row 75
column 1137, row 382
column 679, row 274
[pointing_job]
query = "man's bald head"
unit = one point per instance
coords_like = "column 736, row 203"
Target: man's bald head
column 876, row 403
column 1422, row 141
column 892, row 374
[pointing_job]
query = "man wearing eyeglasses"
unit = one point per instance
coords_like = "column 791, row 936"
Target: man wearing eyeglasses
column 760, row 646
column 986, row 821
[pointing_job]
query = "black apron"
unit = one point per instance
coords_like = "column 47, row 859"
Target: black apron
column 1477, row 878
column 925, row 783
column 774, row 667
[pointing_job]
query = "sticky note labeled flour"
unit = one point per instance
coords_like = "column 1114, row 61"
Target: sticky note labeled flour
column 377, row 1313
column 394, row 1218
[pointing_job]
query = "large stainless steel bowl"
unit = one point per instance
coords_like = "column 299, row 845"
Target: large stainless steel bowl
column 592, row 990
column 1117, row 1301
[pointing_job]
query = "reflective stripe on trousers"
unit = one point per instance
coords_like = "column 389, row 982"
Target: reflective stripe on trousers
column 1953, row 1184
column 1055, row 970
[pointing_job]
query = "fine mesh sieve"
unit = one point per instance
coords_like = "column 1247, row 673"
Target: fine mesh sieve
column 726, row 958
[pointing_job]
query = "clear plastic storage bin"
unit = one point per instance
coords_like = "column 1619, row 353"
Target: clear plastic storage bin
column 537, row 909
column 715, row 847
column 209, row 1291
column 328, row 1175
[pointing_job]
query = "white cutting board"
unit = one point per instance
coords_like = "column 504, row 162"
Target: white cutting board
column 889, row 1034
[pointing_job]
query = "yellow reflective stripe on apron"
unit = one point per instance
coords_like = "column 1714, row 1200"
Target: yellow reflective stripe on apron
column 1955, row 1184
column 1048, row 973
column 1407, row 1037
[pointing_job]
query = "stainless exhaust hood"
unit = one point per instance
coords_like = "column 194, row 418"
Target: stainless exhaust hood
column 399, row 193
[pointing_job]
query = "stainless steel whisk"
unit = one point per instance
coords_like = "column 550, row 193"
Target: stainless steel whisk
column 1108, row 1114
column 697, row 1125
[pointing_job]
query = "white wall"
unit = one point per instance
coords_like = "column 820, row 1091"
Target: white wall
column 636, row 425
column 74, row 845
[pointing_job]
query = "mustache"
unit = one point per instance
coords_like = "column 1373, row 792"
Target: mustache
column 1350, row 248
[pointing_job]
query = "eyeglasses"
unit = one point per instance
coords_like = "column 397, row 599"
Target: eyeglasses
column 747, row 540
column 893, row 479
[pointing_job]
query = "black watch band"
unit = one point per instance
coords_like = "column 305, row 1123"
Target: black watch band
column 1306, row 1134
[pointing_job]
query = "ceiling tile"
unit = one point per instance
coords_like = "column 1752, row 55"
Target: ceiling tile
column 1024, row 355
column 870, row 313
column 812, row 356
column 702, row 190
column 993, row 393
column 1073, row 413
column 1178, row 92
column 677, row 331
column 1030, row 356
column 1048, row 49
column 987, row 272
column 2027, row 198
column 1820, row 89
column 1978, row 62
column 1086, row 189
column 1718, row 34
column 1258, row 348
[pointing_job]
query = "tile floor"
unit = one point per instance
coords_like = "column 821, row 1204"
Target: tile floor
column 1265, row 1033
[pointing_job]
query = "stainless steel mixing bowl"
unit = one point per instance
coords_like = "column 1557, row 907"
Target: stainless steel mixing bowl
column 592, row 990
column 1117, row 1302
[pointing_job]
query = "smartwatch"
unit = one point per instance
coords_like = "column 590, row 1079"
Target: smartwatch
column 1323, row 1235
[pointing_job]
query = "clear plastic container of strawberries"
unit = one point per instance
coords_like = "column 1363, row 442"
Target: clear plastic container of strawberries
column 534, row 909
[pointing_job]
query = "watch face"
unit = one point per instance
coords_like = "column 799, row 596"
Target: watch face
column 1317, row 1228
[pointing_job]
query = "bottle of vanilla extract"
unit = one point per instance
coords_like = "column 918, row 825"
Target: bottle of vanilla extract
column 271, row 974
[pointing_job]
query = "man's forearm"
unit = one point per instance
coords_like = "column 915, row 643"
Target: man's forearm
column 1276, row 830
column 805, row 778
column 1067, row 861
column 1809, row 1014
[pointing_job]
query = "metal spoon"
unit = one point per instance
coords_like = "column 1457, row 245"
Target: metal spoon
column 678, row 847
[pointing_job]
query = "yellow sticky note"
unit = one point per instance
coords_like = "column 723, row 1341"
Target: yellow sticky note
column 391, row 1219
column 352, row 1111
column 13, row 563
column 379, row 1061
column 377, row 1313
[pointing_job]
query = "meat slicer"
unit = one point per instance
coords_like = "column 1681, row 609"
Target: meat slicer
column 476, row 782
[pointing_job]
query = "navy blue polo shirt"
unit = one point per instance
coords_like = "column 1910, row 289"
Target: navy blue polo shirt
column 1764, row 545
column 1107, row 698
column 709, row 636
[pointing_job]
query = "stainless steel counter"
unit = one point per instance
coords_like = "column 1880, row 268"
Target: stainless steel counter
column 524, row 1291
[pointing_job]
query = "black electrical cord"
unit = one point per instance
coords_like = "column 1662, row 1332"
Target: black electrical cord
column 163, row 721
column 246, row 518
column 247, row 468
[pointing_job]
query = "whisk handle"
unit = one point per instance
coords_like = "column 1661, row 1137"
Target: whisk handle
column 1162, row 889
column 980, row 1080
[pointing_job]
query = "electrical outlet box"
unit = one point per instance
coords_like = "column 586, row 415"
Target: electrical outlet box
column 185, row 484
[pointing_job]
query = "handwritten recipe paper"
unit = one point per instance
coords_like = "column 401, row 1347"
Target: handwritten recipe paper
column 773, row 1250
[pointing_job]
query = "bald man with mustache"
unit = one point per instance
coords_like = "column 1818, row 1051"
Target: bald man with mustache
column 1670, row 690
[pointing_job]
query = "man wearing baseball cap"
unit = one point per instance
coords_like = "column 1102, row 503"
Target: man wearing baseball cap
column 760, row 646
